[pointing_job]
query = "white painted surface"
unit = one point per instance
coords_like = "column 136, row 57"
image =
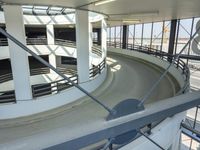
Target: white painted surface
column 82, row 44
column 19, row 58
column 49, row 102
column 51, row 41
column 58, row 19
column 44, row 50
column 165, row 134
column 103, row 38
column 50, row 34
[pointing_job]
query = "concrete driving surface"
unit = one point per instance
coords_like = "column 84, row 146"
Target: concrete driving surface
column 127, row 78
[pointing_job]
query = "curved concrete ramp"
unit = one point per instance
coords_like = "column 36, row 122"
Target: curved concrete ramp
column 128, row 78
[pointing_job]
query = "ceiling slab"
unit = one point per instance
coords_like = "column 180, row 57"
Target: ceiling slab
column 143, row 10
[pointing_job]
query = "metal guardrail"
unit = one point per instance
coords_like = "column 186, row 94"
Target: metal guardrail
column 48, row 88
column 95, row 49
column 41, row 60
column 63, row 42
column 97, row 69
column 29, row 41
column 7, row 96
column 36, row 41
column 38, row 71
column 43, row 41
column 53, row 87
column 179, row 63
column 3, row 42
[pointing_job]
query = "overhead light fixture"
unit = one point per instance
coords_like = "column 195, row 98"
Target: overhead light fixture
column 137, row 14
column 101, row 2
column 131, row 21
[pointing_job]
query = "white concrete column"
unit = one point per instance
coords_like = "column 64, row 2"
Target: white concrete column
column 104, row 38
column 50, row 34
column 82, row 44
column 19, row 58
column 91, row 36
column 90, row 43
column 51, row 41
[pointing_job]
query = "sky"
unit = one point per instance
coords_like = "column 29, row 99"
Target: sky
column 184, row 29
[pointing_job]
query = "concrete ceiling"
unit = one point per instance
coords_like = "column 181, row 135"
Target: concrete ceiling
column 143, row 10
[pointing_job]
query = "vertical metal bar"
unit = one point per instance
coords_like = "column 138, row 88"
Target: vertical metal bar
column 142, row 34
column 194, row 125
column 120, row 36
column 108, row 144
column 177, row 36
column 115, row 37
column 133, row 36
column 163, row 29
column 124, row 37
column 127, row 40
column 110, row 37
column 172, row 39
column 189, row 47
column 151, row 34
column 151, row 140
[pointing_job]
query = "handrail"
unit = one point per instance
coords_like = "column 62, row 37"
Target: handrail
column 36, row 41
column 3, row 42
column 95, row 49
column 14, row 40
column 51, row 87
column 179, row 63
column 148, row 94
column 175, row 61
column 43, row 41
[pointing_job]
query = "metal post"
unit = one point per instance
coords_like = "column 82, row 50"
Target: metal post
column 134, row 36
column 163, row 28
column 124, row 37
column 142, row 34
column 99, row 36
column 151, row 34
column 172, row 39
column 189, row 47
column 177, row 33
column 151, row 140
column 115, row 38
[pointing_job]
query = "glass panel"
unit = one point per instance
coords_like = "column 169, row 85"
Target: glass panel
column 184, row 35
column 130, row 35
column 118, row 36
column 157, row 35
column 166, row 35
column 138, row 34
column 147, row 34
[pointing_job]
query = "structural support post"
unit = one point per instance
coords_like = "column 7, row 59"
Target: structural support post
column 104, row 38
column 124, row 38
column 99, row 36
column 19, row 58
column 172, row 39
column 50, row 34
column 51, row 41
column 83, row 45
